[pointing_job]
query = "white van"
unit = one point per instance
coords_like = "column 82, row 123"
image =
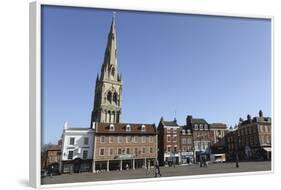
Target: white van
column 218, row 158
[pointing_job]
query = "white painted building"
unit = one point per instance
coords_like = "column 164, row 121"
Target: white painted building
column 77, row 149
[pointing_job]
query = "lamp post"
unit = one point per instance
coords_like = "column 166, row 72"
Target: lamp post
column 200, row 149
column 194, row 156
column 236, row 150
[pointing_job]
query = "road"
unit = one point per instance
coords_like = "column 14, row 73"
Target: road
column 165, row 171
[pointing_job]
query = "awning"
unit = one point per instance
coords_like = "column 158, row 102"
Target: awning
column 268, row 149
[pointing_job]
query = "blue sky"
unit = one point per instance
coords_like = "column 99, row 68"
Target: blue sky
column 217, row 68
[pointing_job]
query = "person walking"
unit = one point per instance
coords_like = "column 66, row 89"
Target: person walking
column 237, row 160
column 148, row 168
column 157, row 169
column 127, row 166
column 174, row 162
column 204, row 162
column 51, row 171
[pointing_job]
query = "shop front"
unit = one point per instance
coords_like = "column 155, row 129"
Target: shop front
column 76, row 166
column 171, row 159
column 187, row 157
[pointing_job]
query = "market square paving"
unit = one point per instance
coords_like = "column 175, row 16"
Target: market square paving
column 183, row 170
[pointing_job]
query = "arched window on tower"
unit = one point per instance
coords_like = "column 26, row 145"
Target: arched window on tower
column 117, row 117
column 113, row 117
column 115, row 98
column 109, row 117
column 109, row 97
column 105, row 119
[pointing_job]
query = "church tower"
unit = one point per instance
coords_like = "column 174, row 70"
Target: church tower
column 107, row 101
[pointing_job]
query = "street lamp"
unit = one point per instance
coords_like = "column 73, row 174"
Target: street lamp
column 200, row 150
column 236, row 150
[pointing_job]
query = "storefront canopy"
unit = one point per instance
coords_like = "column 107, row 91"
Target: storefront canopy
column 268, row 149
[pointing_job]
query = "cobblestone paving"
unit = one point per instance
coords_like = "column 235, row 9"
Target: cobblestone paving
column 165, row 171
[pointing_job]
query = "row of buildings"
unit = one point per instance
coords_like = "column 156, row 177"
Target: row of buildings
column 250, row 139
column 120, row 146
column 109, row 144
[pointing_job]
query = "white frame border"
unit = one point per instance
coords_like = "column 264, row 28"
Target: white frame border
column 35, row 89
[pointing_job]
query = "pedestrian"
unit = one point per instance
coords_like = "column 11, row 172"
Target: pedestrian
column 148, row 168
column 174, row 162
column 157, row 169
column 51, row 171
column 127, row 166
column 237, row 160
column 204, row 162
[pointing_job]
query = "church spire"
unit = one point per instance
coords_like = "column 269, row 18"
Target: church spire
column 110, row 56
column 112, row 28
column 108, row 92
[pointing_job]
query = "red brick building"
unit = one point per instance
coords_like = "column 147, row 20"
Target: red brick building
column 251, row 139
column 169, row 142
column 53, row 158
column 119, row 146
column 254, row 138
column 217, row 134
column 186, row 144
column 201, row 136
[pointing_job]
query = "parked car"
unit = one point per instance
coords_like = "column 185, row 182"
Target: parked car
column 218, row 158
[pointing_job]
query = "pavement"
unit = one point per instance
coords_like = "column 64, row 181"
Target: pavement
column 179, row 170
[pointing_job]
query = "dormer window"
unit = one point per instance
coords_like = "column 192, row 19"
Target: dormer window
column 168, row 130
column 201, row 126
column 128, row 128
column 111, row 127
column 143, row 128
column 206, row 126
column 183, row 132
column 195, row 126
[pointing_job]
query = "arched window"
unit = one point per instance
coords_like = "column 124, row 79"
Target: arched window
column 206, row 126
column 109, row 116
column 128, row 127
column 109, row 96
column 115, row 98
column 117, row 117
column 113, row 116
column 143, row 128
column 111, row 127
column 183, row 132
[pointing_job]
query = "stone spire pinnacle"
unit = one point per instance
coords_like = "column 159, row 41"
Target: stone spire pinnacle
column 110, row 55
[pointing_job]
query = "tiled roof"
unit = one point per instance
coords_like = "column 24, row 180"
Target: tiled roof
column 170, row 123
column 55, row 147
column 199, row 121
column 120, row 128
column 218, row 126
